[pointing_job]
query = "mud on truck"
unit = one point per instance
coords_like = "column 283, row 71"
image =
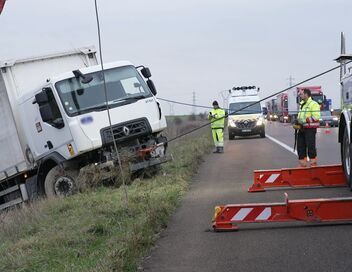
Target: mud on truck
column 54, row 122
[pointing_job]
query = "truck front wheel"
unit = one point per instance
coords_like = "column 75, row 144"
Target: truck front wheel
column 60, row 182
column 346, row 157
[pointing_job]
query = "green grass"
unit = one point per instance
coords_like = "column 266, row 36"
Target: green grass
column 98, row 230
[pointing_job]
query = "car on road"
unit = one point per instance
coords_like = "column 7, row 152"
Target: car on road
column 328, row 118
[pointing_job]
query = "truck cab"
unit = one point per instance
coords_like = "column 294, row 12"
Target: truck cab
column 245, row 113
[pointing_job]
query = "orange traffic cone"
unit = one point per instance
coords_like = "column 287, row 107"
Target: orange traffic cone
column 327, row 128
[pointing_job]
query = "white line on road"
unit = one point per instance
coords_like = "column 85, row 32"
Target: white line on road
column 288, row 148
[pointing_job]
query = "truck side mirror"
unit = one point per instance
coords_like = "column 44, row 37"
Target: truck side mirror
column 42, row 97
column 151, row 86
column 146, row 72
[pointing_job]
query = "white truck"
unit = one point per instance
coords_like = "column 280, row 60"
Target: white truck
column 345, row 125
column 249, row 121
column 54, row 121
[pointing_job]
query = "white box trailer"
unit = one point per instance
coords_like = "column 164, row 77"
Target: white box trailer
column 55, row 122
column 17, row 78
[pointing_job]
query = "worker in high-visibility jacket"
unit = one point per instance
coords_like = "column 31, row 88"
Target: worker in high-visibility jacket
column 217, row 119
column 307, row 124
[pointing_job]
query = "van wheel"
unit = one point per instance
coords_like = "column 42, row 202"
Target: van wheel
column 231, row 137
column 346, row 157
column 262, row 134
column 60, row 182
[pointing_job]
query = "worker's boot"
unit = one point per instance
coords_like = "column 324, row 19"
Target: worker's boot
column 313, row 162
column 221, row 149
column 303, row 163
column 216, row 150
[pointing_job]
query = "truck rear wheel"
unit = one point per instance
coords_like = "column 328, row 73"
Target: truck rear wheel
column 60, row 182
column 346, row 157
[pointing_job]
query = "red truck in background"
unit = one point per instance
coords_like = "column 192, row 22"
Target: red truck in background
column 288, row 102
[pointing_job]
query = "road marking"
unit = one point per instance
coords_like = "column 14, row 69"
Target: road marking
column 288, row 148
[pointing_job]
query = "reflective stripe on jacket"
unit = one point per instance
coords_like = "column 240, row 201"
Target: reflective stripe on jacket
column 217, row 117
column 309, row 114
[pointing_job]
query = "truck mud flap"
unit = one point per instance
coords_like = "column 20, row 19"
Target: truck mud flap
column 134, row 167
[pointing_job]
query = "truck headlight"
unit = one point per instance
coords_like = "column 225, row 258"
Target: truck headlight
column 286, row 117
column 335, row 118
column 275, row 116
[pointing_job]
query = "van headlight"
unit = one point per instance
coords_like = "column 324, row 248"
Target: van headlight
column 260, row 122
column 232, row 123
column 335, row 118
column 275, row 116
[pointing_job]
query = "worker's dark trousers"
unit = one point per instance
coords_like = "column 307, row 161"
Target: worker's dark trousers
column 306, row 143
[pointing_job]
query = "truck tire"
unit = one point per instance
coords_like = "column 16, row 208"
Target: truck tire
column 346, row 157
column 60, row 182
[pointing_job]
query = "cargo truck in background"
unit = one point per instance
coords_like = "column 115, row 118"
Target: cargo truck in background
column 272, row 110
column 249, row 121
column 54, row 121
column 288, row 102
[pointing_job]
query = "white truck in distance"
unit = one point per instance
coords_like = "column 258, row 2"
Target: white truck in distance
column 54, row 122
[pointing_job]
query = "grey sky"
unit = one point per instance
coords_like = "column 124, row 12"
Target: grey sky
column 192, row 45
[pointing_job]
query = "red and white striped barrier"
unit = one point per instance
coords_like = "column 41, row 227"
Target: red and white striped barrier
column 309, row 210
column 318, row 176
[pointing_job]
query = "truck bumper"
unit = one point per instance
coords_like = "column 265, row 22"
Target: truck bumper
column 246, row 132
column 134, row 167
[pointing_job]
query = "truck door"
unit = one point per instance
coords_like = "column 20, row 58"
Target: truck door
column 47, row 129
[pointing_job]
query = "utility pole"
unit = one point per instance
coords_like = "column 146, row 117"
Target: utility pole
column 194, row 103
column 225, row 97
column 172, row 109
column 290, row 81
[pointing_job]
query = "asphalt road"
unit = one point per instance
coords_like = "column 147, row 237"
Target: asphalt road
column 188, row 244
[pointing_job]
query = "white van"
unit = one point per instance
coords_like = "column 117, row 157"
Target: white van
column 248, row 121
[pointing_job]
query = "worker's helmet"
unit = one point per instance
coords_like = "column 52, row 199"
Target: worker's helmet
column 215, row 103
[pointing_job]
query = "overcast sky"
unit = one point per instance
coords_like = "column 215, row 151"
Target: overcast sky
column 192, row 45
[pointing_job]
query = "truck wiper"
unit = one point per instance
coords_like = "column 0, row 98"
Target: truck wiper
column 128, row 99
column 96, row 108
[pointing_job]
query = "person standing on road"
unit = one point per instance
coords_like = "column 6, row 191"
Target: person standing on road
column 217, row 119
column 307, row 124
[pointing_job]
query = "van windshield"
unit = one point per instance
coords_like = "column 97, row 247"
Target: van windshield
column 235, row 107
column 124, row 85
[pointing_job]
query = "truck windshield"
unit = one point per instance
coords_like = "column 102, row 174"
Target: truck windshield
column 234, row 107
column 318, row 98
column 123, row 84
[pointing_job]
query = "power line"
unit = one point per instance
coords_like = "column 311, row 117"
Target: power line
column 261, row 100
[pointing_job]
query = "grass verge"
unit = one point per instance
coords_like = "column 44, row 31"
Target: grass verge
column 98, row 231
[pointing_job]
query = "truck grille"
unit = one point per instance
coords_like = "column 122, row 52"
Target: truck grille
column 246, row 124
column 126, row 131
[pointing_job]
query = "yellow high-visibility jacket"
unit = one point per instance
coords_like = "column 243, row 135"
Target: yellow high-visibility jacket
column 309, row 113
column 217, row 117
